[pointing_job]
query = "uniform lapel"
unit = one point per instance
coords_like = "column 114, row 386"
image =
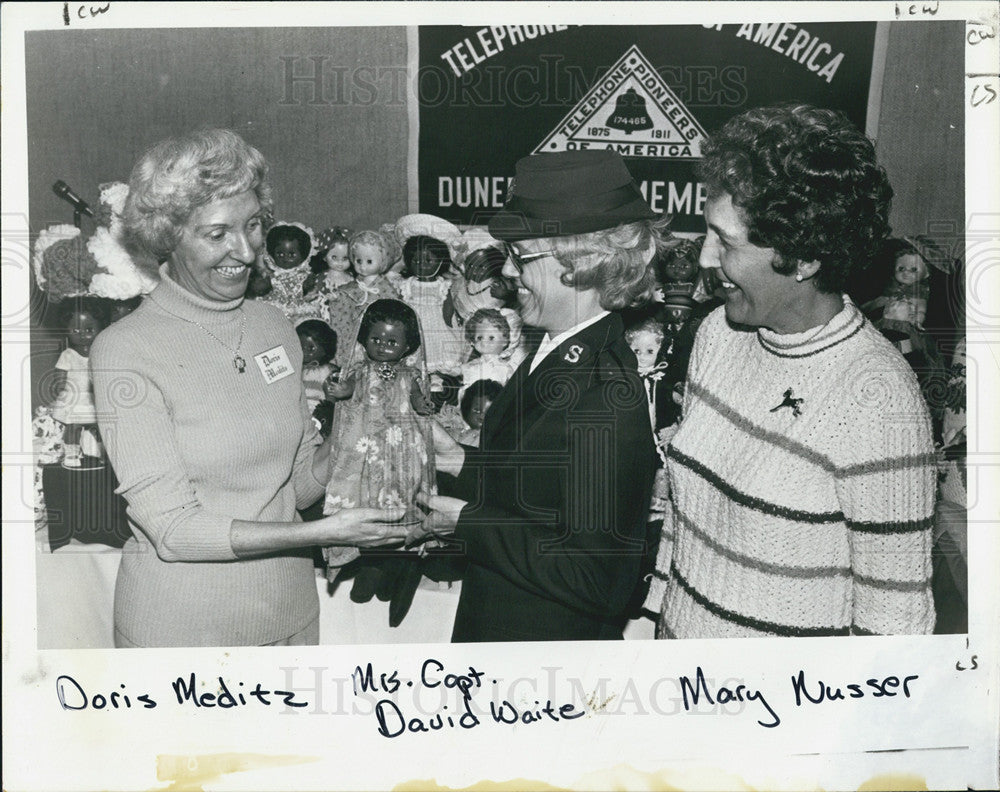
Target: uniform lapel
column 514, row 410
column 506, row 406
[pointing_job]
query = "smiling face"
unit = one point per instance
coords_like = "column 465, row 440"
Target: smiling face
column 646, row 346
column 218, row 244
column 367, row 259
column 386, row 342
column 337, row 259
column 544, row 300
column 756, row 295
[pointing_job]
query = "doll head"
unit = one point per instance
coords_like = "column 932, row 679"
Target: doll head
column 477, row 400
column 336, row 256
column 318, row 340
column 389, row 331
column 288, row 246
column 426, row 257
column 369, row 254
column 83, row 318
column 910, row 269
column 488, row 331
column 645, row 340
column 680, row 264
column 334, row 244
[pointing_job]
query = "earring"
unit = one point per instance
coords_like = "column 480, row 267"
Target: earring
column 798, row 277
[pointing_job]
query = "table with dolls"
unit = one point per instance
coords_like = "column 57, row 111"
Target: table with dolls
column 403, row 597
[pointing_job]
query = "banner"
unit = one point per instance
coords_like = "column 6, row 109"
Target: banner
column 491, row 95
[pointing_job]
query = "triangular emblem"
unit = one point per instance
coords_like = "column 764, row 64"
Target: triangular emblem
column 631, row 110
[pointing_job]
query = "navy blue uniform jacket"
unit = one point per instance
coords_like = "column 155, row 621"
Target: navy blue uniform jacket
column 558, row 497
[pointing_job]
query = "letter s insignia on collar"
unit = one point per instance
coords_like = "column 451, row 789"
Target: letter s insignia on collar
column 573, row 354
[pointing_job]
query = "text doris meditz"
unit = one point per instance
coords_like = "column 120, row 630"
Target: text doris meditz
column 394, row 716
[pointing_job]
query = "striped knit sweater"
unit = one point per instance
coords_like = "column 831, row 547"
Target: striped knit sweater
column 808, row 524
column 195, row 445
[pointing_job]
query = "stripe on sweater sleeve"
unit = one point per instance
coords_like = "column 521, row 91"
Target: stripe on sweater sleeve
column 138, row 434
column 661, row 573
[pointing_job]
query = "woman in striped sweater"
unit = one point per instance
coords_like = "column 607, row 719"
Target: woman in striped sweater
column 802, row 476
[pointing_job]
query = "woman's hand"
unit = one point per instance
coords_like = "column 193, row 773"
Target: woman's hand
column 349, row 527
column 449, row 456
column 362, row 527
column 444, row 513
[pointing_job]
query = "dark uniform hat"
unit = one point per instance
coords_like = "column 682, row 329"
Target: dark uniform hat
column 569, row 192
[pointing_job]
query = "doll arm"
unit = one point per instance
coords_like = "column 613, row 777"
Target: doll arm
column 418, row 401
column 55, row 385
column 339, row 389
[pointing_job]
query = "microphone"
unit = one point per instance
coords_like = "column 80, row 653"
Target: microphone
column 65, row 192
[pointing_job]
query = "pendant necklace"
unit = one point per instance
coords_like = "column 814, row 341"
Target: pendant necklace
column 239, row 363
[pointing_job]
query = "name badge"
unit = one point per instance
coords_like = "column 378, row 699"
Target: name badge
column 274, row 364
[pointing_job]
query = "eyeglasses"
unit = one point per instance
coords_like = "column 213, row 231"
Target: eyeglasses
column 520, row 259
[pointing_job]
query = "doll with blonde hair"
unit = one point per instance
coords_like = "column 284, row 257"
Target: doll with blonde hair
column 370, row 254
column 488, row 334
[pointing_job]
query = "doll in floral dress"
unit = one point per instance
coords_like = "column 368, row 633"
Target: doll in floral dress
column 383, row 444
column 289, row 248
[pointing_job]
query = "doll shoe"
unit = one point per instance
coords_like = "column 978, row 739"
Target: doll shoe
column 406, row 587
column 91, row 463
column 72, row 456
column 365, row 580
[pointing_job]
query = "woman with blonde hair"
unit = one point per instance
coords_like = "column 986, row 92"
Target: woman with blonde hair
column 200, row 403
column 552, row 506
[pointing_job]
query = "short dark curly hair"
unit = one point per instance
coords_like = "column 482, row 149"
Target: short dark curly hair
column 283, row 232
column 387, row 310
column 322, row 334
column 807, row 184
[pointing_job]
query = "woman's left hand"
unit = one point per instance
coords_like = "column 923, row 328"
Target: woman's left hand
column 444, row 513
column 362, row 527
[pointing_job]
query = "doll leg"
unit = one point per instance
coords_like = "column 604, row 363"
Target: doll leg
column 72, row 453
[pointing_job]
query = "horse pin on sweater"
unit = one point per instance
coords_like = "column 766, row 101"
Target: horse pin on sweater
column 789, row 401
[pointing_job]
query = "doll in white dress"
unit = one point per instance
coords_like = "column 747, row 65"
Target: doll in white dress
column 488, row 333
